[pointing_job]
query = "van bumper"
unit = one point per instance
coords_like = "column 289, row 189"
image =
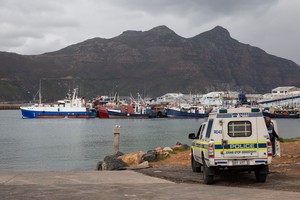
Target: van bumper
column 239, row 162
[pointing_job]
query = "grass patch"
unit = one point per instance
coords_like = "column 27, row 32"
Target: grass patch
column 170, row 153
column 181, row 150
column 288, row 139
column 162, row 158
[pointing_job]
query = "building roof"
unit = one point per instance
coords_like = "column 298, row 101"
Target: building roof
column 284, row 88
column 174, row 95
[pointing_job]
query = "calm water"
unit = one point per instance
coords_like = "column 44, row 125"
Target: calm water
column 78, row 144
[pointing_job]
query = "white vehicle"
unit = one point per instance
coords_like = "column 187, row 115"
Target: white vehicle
column 234, row 139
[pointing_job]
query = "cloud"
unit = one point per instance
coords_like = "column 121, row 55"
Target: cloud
column 276, row 31
column 204, row 10
column 179, row 6
column 22, row 22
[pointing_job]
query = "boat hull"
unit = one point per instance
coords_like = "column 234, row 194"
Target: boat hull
column 179, row 114
column 115, row 114
column 103, row 112
column 38, row 113
column 280, row 115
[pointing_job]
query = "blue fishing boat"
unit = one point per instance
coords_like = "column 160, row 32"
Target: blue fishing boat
column 281, row 113
column 186, row 112
column 71, row 107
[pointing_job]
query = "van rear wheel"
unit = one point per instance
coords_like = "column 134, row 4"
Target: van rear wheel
column 261, row 174
column 196, row 167
column 260, row 177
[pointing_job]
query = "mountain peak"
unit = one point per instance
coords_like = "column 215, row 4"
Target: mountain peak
column 217, row 33
column 159, row 30
column 220, row 31
column 130, row 33
column 162, row 30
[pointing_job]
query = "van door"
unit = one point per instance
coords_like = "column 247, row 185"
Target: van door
column 199, row 136
column 240, row 137
column 277, row 142
column 196, row 143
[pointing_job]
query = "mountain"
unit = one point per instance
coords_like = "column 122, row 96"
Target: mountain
column 153, row 62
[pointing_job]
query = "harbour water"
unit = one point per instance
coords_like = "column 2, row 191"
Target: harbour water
column 78, row 144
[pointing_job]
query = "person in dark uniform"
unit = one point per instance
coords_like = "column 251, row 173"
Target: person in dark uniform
column 272, row 133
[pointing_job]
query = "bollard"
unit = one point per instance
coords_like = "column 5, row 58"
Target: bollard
column 116, row 138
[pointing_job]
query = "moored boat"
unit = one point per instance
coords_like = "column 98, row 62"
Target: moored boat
column 117, row 109
column 124, row 111
column 102, row 112
column 281, row 113
column 186, row 112
column 71, row 107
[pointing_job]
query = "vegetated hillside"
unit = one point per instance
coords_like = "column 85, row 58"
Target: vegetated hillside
column 152, row 62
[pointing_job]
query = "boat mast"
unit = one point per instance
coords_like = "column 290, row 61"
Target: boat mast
column 75, row 91
column 40, row 93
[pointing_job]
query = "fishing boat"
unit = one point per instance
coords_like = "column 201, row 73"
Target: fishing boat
column 287, row 113
column 131, row 110
column 117, row 109
column 102, row 112
column 124, row 111
column 186, row 111
column 70, row 107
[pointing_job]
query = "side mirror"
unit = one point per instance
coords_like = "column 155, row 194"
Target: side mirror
column 192, row 136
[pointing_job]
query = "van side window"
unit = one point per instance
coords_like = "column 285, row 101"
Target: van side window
column 239, row 129
column 201, row 132
column 209, row 126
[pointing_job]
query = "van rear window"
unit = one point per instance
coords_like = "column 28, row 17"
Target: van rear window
column 239, row 129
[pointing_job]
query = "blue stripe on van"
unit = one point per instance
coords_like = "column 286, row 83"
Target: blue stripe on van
column 243, row 146
column 239, row 115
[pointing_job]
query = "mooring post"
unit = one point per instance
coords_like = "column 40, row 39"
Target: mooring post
column 116, row 138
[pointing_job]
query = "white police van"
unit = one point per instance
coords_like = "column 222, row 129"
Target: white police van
column 234, row 139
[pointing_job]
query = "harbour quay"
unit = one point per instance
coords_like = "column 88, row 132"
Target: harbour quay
column 5, row 106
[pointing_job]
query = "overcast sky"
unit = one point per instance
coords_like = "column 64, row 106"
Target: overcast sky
column 39, row 26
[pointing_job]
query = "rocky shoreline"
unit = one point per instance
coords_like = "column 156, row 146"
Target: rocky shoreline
column 139, row 159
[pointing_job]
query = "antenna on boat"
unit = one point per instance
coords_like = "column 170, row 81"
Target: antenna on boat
column 132, row 98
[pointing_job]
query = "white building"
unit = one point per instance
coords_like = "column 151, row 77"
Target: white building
column 228, row 98
column 169, row 98
column 283, row 90
column 288, row 96
column 213, row 99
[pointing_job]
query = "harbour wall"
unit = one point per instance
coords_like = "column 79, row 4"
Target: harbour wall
column 10, row 106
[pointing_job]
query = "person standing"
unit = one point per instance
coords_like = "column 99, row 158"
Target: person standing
column 272, row 133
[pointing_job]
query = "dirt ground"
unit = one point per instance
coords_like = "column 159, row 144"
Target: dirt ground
column 284, row 171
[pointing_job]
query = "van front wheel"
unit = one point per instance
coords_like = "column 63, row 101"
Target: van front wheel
column 207, row 177
column 196, row 167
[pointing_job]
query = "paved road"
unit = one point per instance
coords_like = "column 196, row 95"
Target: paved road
column 118, row 185
column 275, row 180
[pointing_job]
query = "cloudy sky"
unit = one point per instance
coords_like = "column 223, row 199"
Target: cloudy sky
column 38, row 26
